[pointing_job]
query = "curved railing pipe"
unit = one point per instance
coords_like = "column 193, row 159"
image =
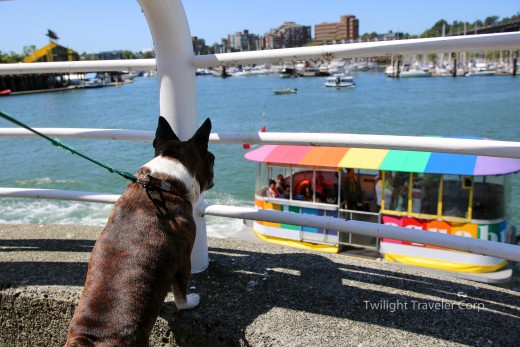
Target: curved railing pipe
column 493, row 148
column 177, row 93
column 469, row 43
column 472, row 43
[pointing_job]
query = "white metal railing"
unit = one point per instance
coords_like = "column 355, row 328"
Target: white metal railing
column 494, row 148
column 56, row 194
column 176, row 63
column 469, row 43
column 466, row 244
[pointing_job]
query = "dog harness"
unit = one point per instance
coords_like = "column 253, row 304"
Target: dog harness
column 147, row 181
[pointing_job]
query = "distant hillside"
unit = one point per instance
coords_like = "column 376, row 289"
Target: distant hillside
column 458, row 27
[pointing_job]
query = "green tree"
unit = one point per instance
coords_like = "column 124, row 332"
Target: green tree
column 128, row 54
column 12, row 57
column 28, row 50
column 148, row 55
column 437, row 29
column 491, row 20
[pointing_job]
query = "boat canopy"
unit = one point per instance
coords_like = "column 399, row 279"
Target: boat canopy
column 383, row 159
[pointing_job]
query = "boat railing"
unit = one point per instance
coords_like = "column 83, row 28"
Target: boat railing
column 176, row 63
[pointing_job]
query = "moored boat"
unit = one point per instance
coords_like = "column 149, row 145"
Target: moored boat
column 93, row 83
column 481, row 69
column 455, row 194
column 287, row 90
column 5, row 92
column 340, row 81
column 390, row 71
column 414, row 73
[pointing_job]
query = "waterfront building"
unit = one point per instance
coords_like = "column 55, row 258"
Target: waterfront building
column 221, row 47
column 110, row 55
column 50, row 53
column 344, row 31
column 199, row 45
column 393, row 36
column 288, row 35
column 243, row 41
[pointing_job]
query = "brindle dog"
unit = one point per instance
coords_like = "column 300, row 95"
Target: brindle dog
column 145, row 247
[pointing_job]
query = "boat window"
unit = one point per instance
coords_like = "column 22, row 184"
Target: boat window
column 358, row 191
column 425, row 193
column 281, row 178
column 396, row 191
column 302, row 184
column 455, row 196
column 262, row 180
column 488, row 197
column 316, row 186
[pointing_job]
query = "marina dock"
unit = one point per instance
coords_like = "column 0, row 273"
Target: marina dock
column 258, row 294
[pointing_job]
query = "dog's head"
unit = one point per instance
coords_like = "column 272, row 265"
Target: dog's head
column 187, row 161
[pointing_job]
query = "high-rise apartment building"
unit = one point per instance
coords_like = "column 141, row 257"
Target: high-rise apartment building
column 346, row 30
column 288, row 35
column 199, row 45
column 243, row 41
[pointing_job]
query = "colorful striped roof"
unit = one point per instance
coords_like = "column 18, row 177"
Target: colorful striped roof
column 382, row 159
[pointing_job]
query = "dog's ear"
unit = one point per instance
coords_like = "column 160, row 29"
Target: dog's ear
column 201, row 137
column 164, row 132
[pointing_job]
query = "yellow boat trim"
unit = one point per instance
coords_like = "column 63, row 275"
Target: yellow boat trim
column 442, row 264
column 297, row 244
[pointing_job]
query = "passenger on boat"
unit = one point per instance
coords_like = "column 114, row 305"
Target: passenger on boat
column 379, row 190
column 307, row 196
column 352, row 191
column 280, row 184
column 286, row 194
column 318, row 186
column 399, row 197
column 273, row 192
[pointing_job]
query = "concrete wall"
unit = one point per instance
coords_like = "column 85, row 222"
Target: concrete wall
column 256, row 294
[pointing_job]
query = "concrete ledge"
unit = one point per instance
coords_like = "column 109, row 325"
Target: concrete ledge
column 256, row 294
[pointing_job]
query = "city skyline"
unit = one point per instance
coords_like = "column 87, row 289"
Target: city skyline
column 120, row 24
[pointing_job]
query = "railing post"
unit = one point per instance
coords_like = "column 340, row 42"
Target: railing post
column 177, row 95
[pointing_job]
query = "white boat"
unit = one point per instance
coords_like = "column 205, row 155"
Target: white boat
column 287, row 71
column 340, row 81
column 442, row 72
column 150, row 73
column 323, row 70
column 336, row 66
column 361, row 66
column 93, row 83
column 413, row 73
column 480, row 69
column 308, row 70
column 92, row 80
column 390, row 71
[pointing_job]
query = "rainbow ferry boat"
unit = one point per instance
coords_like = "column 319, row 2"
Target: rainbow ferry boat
column 458, row 194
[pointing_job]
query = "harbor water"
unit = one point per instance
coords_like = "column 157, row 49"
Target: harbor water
column 479, row 106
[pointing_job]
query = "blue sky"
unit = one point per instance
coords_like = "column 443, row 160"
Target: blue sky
column 102, row 25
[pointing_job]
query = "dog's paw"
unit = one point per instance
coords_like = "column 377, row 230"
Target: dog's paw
column 192, row 301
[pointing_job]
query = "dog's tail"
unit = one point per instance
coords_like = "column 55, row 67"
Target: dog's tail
column 79, row 341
